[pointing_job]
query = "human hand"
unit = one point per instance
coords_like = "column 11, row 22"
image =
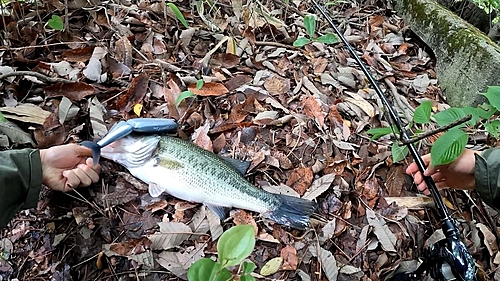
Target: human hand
column 459, row 174
column 65, row 167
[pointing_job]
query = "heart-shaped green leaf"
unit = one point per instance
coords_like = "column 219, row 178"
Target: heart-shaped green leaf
column 398, row 152
column 55, row 23
column 448, row 147
column 422, row 113
column 248, row 267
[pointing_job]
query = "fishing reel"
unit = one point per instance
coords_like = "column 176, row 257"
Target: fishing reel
column 447, row 259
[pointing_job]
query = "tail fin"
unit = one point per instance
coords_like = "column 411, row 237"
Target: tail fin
column 293, row 211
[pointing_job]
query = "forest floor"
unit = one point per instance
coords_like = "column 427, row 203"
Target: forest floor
column 298, row 114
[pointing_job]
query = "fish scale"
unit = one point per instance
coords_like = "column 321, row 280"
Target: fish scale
column 191, row 173
column 214, row 175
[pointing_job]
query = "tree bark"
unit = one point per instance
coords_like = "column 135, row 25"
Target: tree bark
column 471, row 13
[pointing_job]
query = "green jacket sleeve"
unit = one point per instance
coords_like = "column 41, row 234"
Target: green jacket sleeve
column 487, row 175
column 20, row 182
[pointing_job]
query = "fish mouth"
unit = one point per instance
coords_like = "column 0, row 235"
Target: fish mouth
column 132, row 151
column 125, row 128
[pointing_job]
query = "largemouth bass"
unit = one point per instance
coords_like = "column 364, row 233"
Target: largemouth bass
column 188, row 172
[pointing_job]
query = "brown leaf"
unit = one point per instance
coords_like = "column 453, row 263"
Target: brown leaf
column 131, row 247
column 376, row 21
column 395, row 181
column 73, row 91
column 123, row 51
column 225, row 60
column 290, row 260
column 78, row 55
column 335, row 118
column 276, row 85
column 135, row 93
column 313, row 110
column 300, row 179
column 242, row 217
column 201, row 137
column 117, row 68
column 209, row 89
column 156, row 206
column 319, row 65
column 237, row 81
column 241, row 110
column 371, row 191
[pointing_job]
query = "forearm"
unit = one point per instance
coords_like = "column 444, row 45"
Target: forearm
column 487, row 176
column 20, row 182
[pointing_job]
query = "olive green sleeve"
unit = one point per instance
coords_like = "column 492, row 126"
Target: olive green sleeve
column 487, row 175
column 20, row 182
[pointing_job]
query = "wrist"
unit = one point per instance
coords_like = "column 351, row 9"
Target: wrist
column 43, row 155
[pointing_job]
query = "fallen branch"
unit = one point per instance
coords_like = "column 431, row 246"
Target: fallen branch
column 438, row 130
column 36, row 75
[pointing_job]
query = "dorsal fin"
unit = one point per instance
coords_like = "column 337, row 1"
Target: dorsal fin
column 240, row 165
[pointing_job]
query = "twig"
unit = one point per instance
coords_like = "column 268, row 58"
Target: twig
column 275, row 44
column 438, row 130
column 37, row 75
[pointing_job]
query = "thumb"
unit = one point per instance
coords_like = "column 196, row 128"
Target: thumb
column 82, row 151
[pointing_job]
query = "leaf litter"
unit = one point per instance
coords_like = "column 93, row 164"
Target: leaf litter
column 298, row 115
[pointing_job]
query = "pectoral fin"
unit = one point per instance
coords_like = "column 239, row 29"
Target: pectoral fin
column 220, row 211
column 155, row 190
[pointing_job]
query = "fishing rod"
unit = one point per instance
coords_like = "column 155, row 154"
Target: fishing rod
column 447, row 259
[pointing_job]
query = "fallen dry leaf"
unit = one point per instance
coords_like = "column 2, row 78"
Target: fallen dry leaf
column 209, row 89
column 136, row 92
column 313, row 110
column 73, row 91
column 300, row 179
column 131, row 247
column 290, row 259
column 242, row 217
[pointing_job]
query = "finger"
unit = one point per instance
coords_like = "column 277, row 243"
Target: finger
column 90, row 162
column 412, row 169
column 82, row 151
column 418, row 178
column 93, row 175
column 84, row 178
column 72, row 180
column 438, row 176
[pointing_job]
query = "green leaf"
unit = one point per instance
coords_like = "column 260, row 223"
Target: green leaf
column 310, row 25
column 247, row 277
column 379, row 132
column 248, row 267
column 199, row 84
column 398, row 152
column 474, row 112
column 2, row 119
column 207, row 270
column 493, row 128
column 422, row 113
column 449, row 115
column 328, row 39
column 301, row 41
column 56, row 23
column 493, row 96
column 486, row 110
column 236, row 244
column 184, row 95
column 178, row 14
column 448, row 147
